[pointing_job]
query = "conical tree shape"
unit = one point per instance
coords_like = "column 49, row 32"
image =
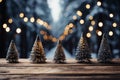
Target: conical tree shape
column 104, row 53
column 59, row 56
column 83, row 50
column 37, row 54
column 12, row 53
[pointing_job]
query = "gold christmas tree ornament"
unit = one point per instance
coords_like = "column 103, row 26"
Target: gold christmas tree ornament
column 83, row 50
column 12, row 53
column 59, row 56
column 37, row 54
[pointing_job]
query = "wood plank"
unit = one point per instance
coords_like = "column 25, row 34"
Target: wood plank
column 71, row 70
column 70, row 62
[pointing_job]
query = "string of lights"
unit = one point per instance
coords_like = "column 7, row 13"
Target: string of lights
column 25, row 19
column 68, row 27
column 79, row 13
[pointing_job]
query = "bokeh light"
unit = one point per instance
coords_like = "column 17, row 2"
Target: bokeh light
column 71, row 25
column 90, row 17
column 4, row 25
column 21, row 15
column 1, row 1
column 114, row 24
column 32, row 19
column 88, row 35
column 99, row 3
column 99, row 33
column 87, row 6
column 25, row 19
column 111, row 15
column 110, row 33
column 79, row 13
column 91, row 28
column 81, row 21
column 18, row 30
column 92, row 22
column 74, row 17
column 10, row 20
column 100, row 24
column 7, row 29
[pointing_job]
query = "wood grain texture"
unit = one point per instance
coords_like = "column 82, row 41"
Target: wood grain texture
column 70, row 70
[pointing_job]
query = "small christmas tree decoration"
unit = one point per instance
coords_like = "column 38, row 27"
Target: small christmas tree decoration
column 104, row 53
column 59, row 56
column 37, row 54
column 83, row 50
column 12, row 53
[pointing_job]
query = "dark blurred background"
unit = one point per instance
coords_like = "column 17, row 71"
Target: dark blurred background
column 22, row 20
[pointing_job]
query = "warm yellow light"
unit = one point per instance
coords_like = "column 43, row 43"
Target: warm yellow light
column 90, row 17
column 99, row 3
column 7, row 29
column 111, row 15
column 99, row 33
column 66, row 30
column 21, row 15
column 67, row 27
column 74, row 17
column 1, row 1
column 62, row 37
column 79, row 13
column 48, row 27
column 81, row 21
column 50, row 37
column 110, row 33
column 91, row 28
column 32, row 19
column 87, row 6
column 54, row 39
column 45, row 24
column 88, row 35
column 45, row 37
column 42, row 32
column 92, row 22
column 71, row 25
column 10, row 20
column 100, row 24
column 71, row 31
column 18, row 30
column 114, row 24
column 39, row 21
column 4, row 25
column 25, row 19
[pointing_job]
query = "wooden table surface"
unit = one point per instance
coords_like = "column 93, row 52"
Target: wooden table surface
column 51, row 71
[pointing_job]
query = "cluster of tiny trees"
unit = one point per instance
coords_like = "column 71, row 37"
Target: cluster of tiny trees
column 83, row 52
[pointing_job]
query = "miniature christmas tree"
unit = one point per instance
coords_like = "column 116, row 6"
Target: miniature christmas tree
column 37, row 53
column 83, row 50
column 59, row 56
column 12, row 53
column 104, row 53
